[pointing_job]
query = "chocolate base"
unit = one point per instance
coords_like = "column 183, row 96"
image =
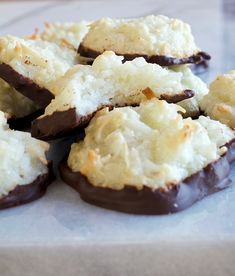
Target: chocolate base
column 24, row 122
column 213, row 178
column 26, row 193
column 159, row 59
column 59, row 124
column 186, row 94
column 25, row 86
column 192, row 114
column 62, row 123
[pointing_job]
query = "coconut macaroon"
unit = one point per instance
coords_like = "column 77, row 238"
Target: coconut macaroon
column 30, row 65
column 158, row 39
column 219, row 104
column 68, row 34
column 13, row 104
column 109, row 82
column 25, row 171
column 133, row 160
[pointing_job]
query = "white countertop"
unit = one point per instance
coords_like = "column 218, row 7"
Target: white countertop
column 61, row 235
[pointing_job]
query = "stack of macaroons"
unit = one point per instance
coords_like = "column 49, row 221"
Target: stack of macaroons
column 146, row 148
column 29, row 64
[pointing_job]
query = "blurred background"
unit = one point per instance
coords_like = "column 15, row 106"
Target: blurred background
column 212, row 21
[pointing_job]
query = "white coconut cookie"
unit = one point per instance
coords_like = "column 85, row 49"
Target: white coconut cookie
column 138, row 146
column 30, row 65
column 110, row 82
column 219, row 103
column 13, row 104
column 40, row 61
column 68, row 34
column 150, row 36
column 23, row 158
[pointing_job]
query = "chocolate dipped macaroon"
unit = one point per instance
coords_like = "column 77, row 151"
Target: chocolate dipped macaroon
column 108, row 82
column 149, row 159
column 25, row 172
column 158, row 39
column 29, row 65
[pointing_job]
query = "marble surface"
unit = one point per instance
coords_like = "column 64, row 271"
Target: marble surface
column 61, row 235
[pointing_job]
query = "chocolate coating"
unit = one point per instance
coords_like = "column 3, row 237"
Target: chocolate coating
column 24, row 122
column 213, row 178
column 159, row 59
column 58, row 124
column 26, row 193
column 25, row 86
column 178, row 97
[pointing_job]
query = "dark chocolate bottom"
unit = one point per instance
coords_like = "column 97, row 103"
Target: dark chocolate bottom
column 59, row 124
column 159, row 59
column 26, row 193
column 24, row 122
column 26, row 86
column 192, row 114
column 213, row 178
column 186, row 94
